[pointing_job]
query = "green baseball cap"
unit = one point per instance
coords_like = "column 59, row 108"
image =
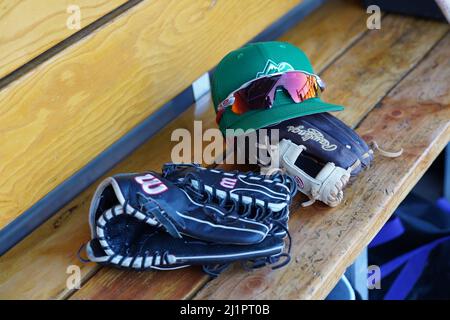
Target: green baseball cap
column 256, row 60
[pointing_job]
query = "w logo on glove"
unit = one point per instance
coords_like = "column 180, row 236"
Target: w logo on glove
column 228, row 183
column 151, row 185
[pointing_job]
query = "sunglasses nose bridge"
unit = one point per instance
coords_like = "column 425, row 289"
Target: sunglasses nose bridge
column 281, row 84
column 271, row 94
column 291, row 85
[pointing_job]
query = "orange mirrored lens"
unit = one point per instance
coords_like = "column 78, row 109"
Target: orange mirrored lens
column 240, row 105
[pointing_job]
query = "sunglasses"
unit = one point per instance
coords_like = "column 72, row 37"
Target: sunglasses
column 260, row 93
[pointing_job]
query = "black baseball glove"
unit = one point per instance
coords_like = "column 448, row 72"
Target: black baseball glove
column 320, row 152
column 189, row 215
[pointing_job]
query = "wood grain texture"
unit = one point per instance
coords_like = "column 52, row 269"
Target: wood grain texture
column 48, row 251
column 36, row 267
column 113, row 284
column 70, row 108
column 414, row 116
column 327, row 33
column 361, row 77
column 30, row 27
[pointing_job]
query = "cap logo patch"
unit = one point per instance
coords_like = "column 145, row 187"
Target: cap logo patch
column 273, row 67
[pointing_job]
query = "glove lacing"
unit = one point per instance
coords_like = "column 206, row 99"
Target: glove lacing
column 217, row 269
column 252, row 210
column 230, row 207
column 158, row 258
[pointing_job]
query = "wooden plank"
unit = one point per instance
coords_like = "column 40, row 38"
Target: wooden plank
column 363, row 76
column 50, row 249
column 113, row 284
column 344, row 19
column 31, row 27
column 69, row 109
column 414, row 116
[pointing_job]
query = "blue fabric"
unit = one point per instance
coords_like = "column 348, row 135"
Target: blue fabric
column 411, row 249
column 407, row 278
column 444, row 205
column 390, row 231
column 416, row 261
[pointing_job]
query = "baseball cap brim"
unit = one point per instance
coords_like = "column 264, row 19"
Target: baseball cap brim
column 262, row 118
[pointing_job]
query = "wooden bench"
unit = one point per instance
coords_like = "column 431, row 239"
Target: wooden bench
column 69, row 107
column 395, row 84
